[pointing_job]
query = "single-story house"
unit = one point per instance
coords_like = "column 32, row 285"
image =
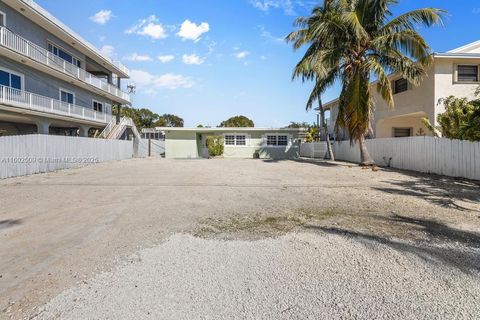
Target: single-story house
column 238, row 142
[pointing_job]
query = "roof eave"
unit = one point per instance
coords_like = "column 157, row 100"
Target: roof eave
column 79, row 43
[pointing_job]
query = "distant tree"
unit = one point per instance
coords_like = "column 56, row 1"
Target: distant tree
column 295, row 125
column 461, row 119
column 200, row 126
column 143, row 118
column 237, row 122
column 169, row 120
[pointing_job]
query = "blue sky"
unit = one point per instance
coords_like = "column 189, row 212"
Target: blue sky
column 207, row 60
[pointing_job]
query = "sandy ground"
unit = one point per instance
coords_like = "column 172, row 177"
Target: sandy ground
column 61, row 230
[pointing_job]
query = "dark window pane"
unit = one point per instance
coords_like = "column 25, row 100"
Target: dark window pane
column 2, row 20
column 66, row 97
column 271, row 140
column 65, row 56
column 230, row 140
column 241, row 140
column 400, row 85
column 468, row 73
column 282, row 140
column 97, row 106
column 4, row 78
column 15, row 82
column 402, row 132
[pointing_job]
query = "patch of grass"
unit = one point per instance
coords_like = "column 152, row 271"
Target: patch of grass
column 263, row 225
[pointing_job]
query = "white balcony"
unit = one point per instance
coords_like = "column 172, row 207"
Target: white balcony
column 26, row 48
column 30, row 101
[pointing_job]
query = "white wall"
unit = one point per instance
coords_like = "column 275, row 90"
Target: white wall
column 454, row 158
column 29, row 154
column 157, row 148
column 314, row 150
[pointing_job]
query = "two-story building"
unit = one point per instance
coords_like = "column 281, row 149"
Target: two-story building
column 455, row 72
column 51, row 80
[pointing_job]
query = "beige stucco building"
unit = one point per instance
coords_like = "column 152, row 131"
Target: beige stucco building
column 456, row 72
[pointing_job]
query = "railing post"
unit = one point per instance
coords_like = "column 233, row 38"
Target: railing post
column 1, row 35
column 51, row 104
column 95, row 115
column 3, row 93
column 105, row 116
column 83, row 113
column 68, row 108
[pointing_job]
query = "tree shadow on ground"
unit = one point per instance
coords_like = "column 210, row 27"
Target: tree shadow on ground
column 439, row 190
column 318, row 162
column 447, row 246
column 4, row 224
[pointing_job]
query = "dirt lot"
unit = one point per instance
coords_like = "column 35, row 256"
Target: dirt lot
column 59, row 230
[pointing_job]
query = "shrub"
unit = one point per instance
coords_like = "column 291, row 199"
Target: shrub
column 215, row 146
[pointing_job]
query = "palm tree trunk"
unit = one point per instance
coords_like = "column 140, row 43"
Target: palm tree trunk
column 365, row 158
column 325, row 129
column 329, row 148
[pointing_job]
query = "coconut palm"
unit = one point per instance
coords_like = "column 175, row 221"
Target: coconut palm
column 353, row 42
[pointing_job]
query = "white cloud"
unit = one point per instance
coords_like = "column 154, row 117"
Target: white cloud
column 102, row 16
column 190, row 31
column 108, row 51
column 192, row 59
column 138, row 57
column 267, row 35
column 265, row 5
column 166, row 58
column 149, row 27
column 242, row 54
column 148, row 82
column 263, row 57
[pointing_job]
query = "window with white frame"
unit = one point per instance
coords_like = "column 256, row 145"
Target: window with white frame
column 229, row 140
column 11, row 79
column 98, row 106
column 274, row 140
column 240, row 140
column 282, row 140
column 235, row 140
column 67, row 96
column 3, row 19
column 271, row 140
column 59, row 52
column 467, row 73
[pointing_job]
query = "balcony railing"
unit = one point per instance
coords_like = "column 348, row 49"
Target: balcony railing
column 20, row 45
column 31, row 101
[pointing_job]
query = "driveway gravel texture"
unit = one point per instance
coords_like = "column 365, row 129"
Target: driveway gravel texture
column 238, row 239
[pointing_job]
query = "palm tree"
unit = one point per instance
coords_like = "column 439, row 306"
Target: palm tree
column 353, row 42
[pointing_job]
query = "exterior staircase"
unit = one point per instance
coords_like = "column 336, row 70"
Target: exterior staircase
column 115, row 130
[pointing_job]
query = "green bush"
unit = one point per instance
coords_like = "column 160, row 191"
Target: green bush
column 215, row 146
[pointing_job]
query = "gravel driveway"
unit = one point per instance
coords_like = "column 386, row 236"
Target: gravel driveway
column 298, row 276
column 226, row 238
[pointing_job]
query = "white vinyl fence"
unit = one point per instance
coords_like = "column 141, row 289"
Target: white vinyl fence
column 28, row 154
column 316, row 150
column 454, row 158
column 157, row 147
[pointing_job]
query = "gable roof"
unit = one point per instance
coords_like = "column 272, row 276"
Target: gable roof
column 473, row 47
